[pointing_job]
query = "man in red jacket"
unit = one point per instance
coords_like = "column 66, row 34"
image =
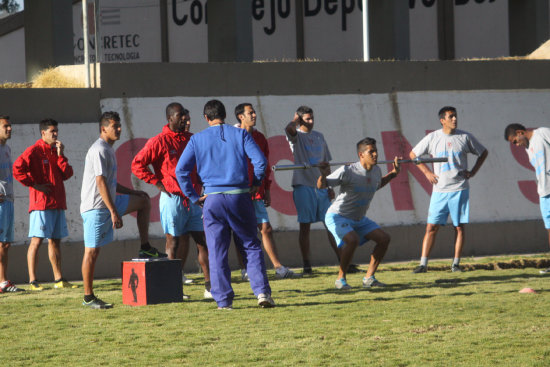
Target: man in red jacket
column 43, row 167
column 179, row 217
column 246, row 115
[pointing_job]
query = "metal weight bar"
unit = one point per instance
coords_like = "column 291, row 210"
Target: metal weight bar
column 417, row 160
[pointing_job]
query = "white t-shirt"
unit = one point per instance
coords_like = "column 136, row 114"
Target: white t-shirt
column 539, row 152
column 6, row 173
column 455, row 146
column 100, row 161
column 357, row 188
column 309, row 148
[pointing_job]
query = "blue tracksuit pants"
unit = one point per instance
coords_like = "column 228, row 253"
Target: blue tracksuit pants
column 221, row 214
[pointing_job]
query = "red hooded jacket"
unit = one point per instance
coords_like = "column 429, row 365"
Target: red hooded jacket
column 163, row 152
column 40, row 164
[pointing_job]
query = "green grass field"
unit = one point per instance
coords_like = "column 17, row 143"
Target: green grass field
column 476, row 318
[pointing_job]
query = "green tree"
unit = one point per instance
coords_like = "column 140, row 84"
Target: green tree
column 10, row 6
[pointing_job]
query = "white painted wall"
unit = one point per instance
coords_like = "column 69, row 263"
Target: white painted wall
column 12, row 58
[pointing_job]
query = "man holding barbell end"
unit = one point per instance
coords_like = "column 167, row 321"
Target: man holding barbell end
column 450, row 181
column 537, row 144
column 346, row 218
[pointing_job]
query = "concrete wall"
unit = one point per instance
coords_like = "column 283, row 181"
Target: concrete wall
column 512, row 88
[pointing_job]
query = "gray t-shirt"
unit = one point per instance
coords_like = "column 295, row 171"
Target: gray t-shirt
column 539, row 152
column 100, row 161
column 357, row 188
column 309, row 148
column 455, row 146
column 6, row 174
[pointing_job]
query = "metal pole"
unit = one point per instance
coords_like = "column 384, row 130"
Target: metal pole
column 96, row 42
column 86, row 51
column 418, row 160
column 366, row 54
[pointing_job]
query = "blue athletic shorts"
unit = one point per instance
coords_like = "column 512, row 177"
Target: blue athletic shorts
column 545, row 210
column 261, row 211
column 340, row 226
column 456, row 203
column 98, row 226
column 311, row 203
column 176, row 219
column 6, row 221
column 48, row 223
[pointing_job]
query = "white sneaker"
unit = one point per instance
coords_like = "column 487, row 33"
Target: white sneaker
column 244, row 275
column 186, row 280
column 342, row 285
column 265, row 300
column 207, row 294
column 372, row 282
column 284, row 272
column 544, row 271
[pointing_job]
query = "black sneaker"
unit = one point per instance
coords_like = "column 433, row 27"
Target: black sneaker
column 420, row 269
column 96, row 303
column 151, row 253
column 352, row 269
column 308, row 271
column 9, row 287
column 456, row 269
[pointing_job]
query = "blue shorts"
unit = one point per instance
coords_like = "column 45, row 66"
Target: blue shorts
column 261, row 212
column 48, row 223
column 6, row 221
column 98, row 226
column 545, row 210
column 176, row 219
column 340, row 226
column 311, row 203
column 456, row 203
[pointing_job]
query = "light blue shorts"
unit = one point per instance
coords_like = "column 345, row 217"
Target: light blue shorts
column 261, row 211
column 340, row 226
column 6, row 221
column 98, row 226
column 545, row 210
column 176, row 219
column 311, row 203
column 456, row 203
column 48, row 223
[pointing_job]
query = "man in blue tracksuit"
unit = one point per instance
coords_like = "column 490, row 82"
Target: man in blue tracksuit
column 220, row 154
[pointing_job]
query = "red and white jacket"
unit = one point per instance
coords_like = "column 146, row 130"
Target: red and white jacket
column 260, row 139
column 163, row 152
column 40, row 164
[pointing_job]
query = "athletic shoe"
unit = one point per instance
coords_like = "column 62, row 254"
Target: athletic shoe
column 207, row 294
column 342, row 285
column 96, row 303
column 35, row 286
column 352, row 269
column 244, row 275
column 420, row 269
column 186, row 280
column 371, row 282
column 544, row 271
column 308, row 271
column 284, row 272
column 64, row 284
column 8, row 287
column 456, row 269
column 228, row 308
column 185, row 297
column 151, row 253
column 265, row 301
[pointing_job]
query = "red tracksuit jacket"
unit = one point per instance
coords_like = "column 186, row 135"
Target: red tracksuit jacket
column 260, row 139
column 162, row 152
column 40, row 164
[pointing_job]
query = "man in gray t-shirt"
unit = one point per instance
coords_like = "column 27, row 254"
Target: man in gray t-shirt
column 346, row 216
column 311, row 203
column 451, row 192
column 102, row 209
column 537, row 144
